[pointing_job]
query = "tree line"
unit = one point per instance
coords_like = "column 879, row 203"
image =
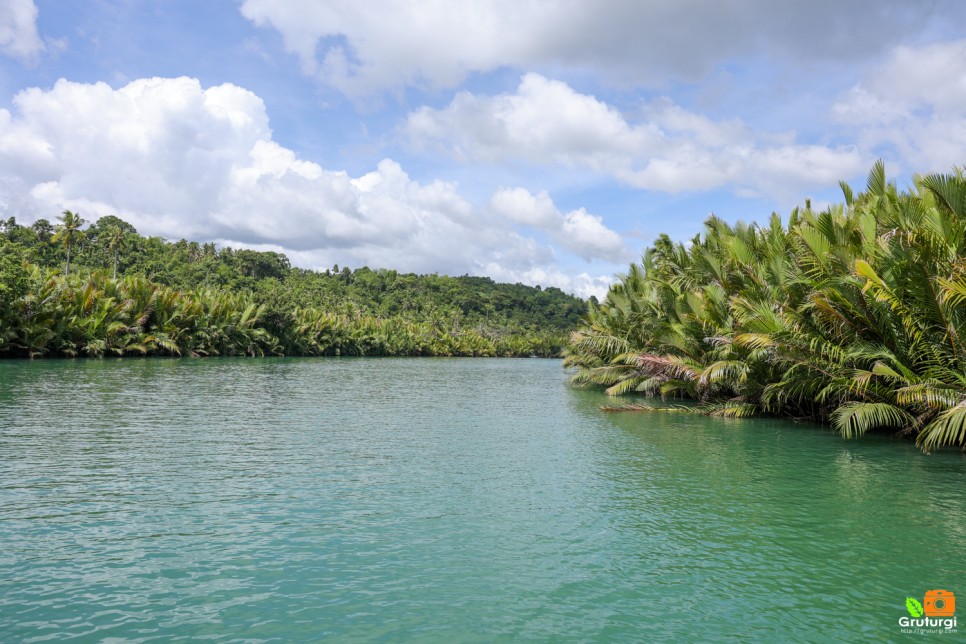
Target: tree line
column 849, row 316
column 68, row 289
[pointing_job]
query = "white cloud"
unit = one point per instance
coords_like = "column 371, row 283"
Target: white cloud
column 178, row 160
column 582, row 285
column 18, row 30
column 913, row 105
column 544, row 120
column 582, row 233
column 522, row 207
column 671, row 149
column 366, row 47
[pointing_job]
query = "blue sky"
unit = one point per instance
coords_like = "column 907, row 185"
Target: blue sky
column 546, row 142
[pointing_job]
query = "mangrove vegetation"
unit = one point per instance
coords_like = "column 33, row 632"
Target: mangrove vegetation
column 850, row 316
column 105, row 290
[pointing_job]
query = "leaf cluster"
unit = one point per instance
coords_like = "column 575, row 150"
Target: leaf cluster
column 850, row 316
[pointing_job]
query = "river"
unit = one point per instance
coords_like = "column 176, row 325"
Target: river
column 444, row 500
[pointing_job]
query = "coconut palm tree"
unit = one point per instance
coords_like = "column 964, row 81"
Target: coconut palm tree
column 114, row 238
column 69, row 233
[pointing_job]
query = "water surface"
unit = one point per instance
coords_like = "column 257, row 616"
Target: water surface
column 443, row 500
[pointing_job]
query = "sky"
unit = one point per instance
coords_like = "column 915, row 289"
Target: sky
column 545, row 142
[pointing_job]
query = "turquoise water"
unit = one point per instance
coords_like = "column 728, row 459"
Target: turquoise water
column 443, row 500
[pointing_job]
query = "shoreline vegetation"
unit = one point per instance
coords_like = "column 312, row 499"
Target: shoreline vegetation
column 67, row 291
column 847, row 316
column 850, row 316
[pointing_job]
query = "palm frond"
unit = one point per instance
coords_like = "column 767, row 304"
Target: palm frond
column 856, row 418
column 949, row 428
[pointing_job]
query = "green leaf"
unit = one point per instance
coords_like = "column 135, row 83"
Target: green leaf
column 876, row 183
column 864, row 269
column 949, row 428
column 853, row 419
column 914, row 607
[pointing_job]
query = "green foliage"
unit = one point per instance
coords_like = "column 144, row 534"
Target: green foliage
column 121, row 294
column 850, row 316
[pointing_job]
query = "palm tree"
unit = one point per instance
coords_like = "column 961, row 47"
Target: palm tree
column 68, row 233
column 851, row 316
column 114, row 237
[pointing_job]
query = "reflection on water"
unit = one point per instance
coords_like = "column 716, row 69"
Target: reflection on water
column 445, row 500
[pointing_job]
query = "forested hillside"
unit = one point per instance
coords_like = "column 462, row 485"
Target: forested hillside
column 69, row 288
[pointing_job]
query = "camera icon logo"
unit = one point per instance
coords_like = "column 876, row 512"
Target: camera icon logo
column 939, row 603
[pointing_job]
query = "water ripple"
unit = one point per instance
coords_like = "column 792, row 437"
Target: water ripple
column 442, row 500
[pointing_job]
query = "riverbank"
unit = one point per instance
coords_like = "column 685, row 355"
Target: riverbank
column 104, row 289
column 49, row 314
